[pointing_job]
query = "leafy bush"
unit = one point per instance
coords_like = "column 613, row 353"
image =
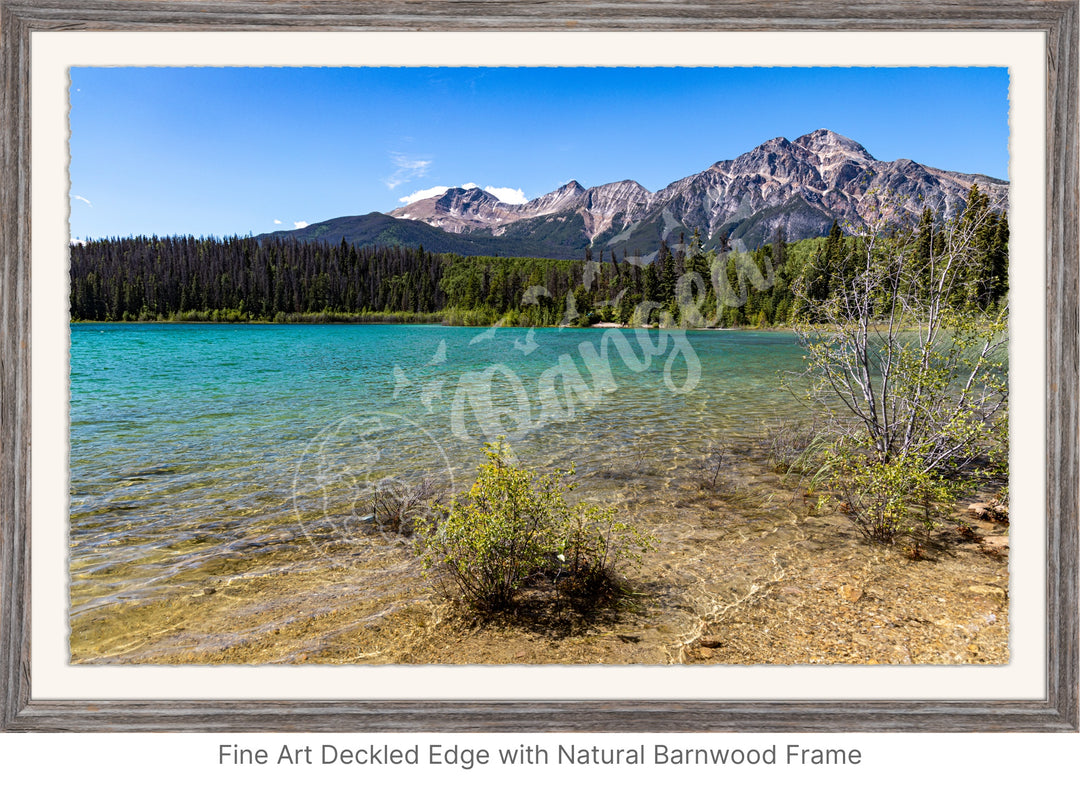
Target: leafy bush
column 492, row 538
column 888, row 501
column 514, row 526
column 592, row 545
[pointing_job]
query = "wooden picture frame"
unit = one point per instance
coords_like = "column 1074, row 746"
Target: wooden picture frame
column 1058, row 711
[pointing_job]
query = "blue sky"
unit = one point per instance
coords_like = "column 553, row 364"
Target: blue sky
column 232, row 151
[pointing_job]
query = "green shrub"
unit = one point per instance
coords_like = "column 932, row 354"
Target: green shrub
column 514, row 526
column 888, row 501
column 592, row 545
column 492, row 538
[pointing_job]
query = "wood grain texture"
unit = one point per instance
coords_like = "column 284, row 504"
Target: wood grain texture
column 14, row 370
column 1063, row 374
column 541, row 15
column 1059, row 712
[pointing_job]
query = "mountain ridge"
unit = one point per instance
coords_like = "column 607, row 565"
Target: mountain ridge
column 799, row 186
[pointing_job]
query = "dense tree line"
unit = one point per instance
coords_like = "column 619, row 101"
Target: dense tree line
column 247, row 279
column 983, row 258
column 239, row 278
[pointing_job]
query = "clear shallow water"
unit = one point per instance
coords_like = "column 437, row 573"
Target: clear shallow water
column 194, row 445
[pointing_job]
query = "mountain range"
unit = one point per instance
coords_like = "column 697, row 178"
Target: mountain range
column 801, row 185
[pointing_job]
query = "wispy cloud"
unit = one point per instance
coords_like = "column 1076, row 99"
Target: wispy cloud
column 407, row 169
column 82, row 199
column 277, row 221
column 299, row 224
column 505, row 194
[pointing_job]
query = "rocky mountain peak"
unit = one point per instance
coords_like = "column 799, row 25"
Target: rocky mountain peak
column 770, row 147
column 567, row 197
column 568, row 189
column 776, row 143
column 801, row 185
column 825, row 141
column 465, row 197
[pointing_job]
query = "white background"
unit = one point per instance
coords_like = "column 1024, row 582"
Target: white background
column 887, row 759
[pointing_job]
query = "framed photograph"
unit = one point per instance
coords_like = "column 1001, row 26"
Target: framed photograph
column 407, row 367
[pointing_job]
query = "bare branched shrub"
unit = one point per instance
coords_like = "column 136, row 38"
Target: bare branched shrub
column 716, row 457
column 787, row 445
column 397, row 505
column 907, row 359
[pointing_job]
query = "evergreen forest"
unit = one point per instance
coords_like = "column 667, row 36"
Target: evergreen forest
column 244, row 279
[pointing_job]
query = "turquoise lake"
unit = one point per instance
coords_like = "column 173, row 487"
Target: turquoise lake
column 193, row 442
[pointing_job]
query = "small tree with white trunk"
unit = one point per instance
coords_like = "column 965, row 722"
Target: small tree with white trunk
column 910, row 366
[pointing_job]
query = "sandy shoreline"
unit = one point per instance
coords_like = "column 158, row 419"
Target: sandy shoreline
column 748, row 572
